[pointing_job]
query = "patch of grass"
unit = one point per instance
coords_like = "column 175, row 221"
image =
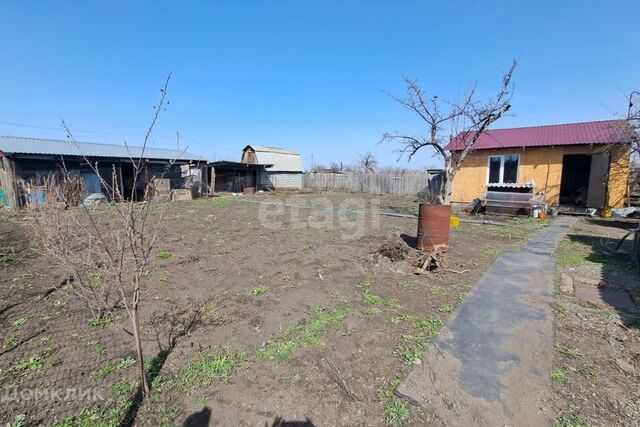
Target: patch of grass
column 9, row 342
column 259, row 290
column 587, row 371
column 7, row 253
column 105, row 320
column 370, row 311
column 22, row 277
column 447, row 308
column 520, row 228
column 412, row 345
column 409, row 284
column 113, row 367
column 19, row 421
column 19, row 321
column 395, row 411
column 437, row 290
column 571, row 254
column 570, row 421
column 164, row 255
column 365, row 284
column 210, row 312
column 559, row 374
column 373, row 299
column 210, row 366
column 308, row 334
column 570, row 353
column 491, row 251
column 99, row 348
column 167, row 416
column 107, row 414
column 32, row 363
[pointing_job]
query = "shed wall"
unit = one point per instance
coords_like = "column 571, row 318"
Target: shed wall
column 280, row 180
column 543, row 166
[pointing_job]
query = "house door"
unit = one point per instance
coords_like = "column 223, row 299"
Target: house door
column 596, row 197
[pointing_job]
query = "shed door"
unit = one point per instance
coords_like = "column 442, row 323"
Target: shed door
column 598, row 178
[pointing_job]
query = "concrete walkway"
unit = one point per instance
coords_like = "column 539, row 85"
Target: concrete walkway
column 490, row 363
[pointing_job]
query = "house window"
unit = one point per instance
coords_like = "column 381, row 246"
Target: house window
column 503, row 169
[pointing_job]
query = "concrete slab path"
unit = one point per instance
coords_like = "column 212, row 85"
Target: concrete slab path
column 490, row 363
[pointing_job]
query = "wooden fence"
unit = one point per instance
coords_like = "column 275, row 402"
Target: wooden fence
column 408, row 184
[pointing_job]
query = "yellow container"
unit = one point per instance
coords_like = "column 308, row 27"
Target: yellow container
column 454, row 221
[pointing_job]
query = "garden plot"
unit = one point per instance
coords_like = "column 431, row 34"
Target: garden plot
column 256, row 313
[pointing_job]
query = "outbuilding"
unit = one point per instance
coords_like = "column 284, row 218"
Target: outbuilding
column 575, row 165
column 28, row 164
column 283, row 168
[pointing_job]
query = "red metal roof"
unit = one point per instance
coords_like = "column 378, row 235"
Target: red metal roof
column 601, row 132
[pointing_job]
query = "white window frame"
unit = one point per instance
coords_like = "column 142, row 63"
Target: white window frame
column 501, row 178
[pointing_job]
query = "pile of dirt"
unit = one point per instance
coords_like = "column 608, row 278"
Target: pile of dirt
column 395, row 251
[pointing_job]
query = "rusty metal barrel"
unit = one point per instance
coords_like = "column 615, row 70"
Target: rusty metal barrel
column 433, row 228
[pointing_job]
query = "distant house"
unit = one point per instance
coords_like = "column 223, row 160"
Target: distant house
column 28, row 162
column 576, row 165
column 283, row 168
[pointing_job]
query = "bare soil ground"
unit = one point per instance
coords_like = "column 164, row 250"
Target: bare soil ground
column 596, row 372
column 253, row 314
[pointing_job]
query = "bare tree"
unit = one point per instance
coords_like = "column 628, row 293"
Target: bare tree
column 467, row 119
column 114, row 250
column 633, row 119
column 367, row 162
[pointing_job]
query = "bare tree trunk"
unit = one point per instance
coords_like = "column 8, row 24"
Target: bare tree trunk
column 144, row 386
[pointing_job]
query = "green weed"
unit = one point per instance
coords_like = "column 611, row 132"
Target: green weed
column 99, row 348
column 587, row 371
column 113, row 367
column 412, row 346
column 570, row 421
column 210, row 312
column 167, row 416
column 492, row 251
column 20, row 321
column 570, row 353
column 447, row 308
column 395, row 412
column 164, row 255
column 308, row 334
column 32, row 363
column 9, row 342
column 210, row 366
column 559, row 374
column 370, row 311
column 373, row 299
column 105, row 320
column 107, row 414
column 22, row 277
column 258, row 290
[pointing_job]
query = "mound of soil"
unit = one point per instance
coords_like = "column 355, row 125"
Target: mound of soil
column 395, row 251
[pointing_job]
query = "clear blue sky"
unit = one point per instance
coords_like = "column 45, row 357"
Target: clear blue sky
column 300, row 74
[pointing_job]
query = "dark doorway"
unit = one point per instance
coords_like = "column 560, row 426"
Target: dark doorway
column 574, row 186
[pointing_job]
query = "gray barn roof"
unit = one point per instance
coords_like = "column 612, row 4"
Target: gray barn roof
column 281, row 160
column 20, row 145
